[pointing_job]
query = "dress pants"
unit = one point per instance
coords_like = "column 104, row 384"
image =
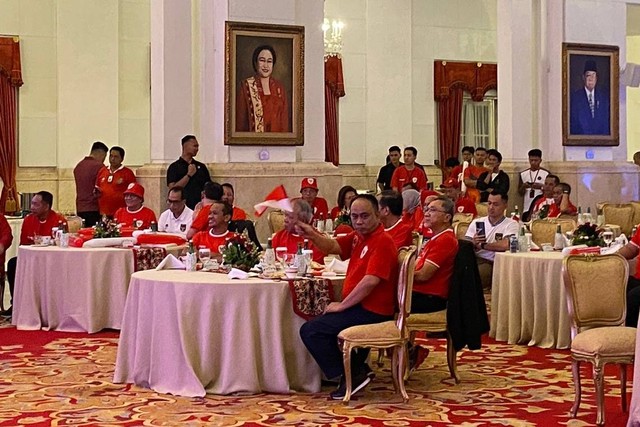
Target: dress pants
column 11, row 274
column 633, row 302
column 320, row 336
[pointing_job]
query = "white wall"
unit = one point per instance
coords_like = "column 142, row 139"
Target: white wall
column 388, row 55
column 86, row 72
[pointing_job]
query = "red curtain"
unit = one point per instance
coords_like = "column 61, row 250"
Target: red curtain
column 333, row 90
column 10, row 80
column 451, row 80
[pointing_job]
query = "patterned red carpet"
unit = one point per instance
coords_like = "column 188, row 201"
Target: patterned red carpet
column 63, row 379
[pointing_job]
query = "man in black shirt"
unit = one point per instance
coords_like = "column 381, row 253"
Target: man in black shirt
column 386, row 172
column 187, row 172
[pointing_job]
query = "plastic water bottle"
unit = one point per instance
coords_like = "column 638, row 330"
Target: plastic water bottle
column 558, row 240
column 269, row 258
column 192, row 257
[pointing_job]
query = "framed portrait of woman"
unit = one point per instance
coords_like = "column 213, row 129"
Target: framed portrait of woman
column 264, row 84
column 590, row 76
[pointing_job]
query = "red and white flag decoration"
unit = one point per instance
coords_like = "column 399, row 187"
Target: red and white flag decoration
column 277, row 199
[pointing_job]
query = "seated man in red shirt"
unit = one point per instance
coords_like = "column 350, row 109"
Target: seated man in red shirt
column 38, row 223
column 218, row 233
column 134, row 214
column 368, row 293
column 400, row 230
column 561, row 203
column 451, row 189
column 228, row 195
column 288, row 238
column 309, row 193
column 212, row 192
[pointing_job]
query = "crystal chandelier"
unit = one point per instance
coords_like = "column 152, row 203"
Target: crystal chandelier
column 332, row 37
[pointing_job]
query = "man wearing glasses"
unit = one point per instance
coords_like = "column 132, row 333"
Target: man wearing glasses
column 177, row 219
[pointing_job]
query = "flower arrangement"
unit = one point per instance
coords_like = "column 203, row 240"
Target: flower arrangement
column 343, row 218
column 106, row 228
column 240, row 252
column 587, row 234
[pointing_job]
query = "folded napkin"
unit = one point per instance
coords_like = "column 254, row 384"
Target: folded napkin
column 615, row 247
column 533, row 246
column 236, row 273
column 337, row 266
column 569, row 249
column 170, row 262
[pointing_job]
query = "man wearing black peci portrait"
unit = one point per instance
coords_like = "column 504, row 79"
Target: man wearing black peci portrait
column 589, row 111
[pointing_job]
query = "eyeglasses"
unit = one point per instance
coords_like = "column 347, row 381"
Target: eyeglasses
column 434, row 210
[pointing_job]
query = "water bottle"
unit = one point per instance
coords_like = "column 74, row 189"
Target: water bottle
column 580, row 216
column 523, row 241
column 321, row 223
column 328, row 225
column 192, row 257
column 558, row 240
column 300, row 261
column 513, row 244
column 269, row 258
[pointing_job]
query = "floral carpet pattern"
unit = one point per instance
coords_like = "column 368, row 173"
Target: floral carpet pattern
column 64, row 379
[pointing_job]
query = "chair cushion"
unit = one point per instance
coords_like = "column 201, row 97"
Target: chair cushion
column 606, row 341
column 374, row 333
column 430, row 321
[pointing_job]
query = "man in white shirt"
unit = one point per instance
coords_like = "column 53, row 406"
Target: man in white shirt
column 495, row 238
column 531, row 182
column 177, row 219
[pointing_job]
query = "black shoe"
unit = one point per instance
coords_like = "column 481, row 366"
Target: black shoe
column 358, row 382
column 7, row 313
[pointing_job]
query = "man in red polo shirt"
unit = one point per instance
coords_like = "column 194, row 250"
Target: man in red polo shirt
column 135, row 214
column 451, row 189
column 368, row 293
column 400, row 230
column 111, row 183
column 409, row 173
column 288, row 238
column 218, row 233
column 309, row 193
column 38, row 223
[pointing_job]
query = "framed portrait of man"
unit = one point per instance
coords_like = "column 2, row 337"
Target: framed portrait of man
column 264, row 84
column 590, row 76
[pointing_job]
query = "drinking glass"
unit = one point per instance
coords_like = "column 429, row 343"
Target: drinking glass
column 607, row 236
column 281, row 251
column 204, row 253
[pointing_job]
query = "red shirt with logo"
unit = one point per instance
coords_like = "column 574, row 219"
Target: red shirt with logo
column 554, row 210
column 143, row 217
column 440, row 251
column 466, row 205
column 284, row 239
column 32, row 226
column 212, row 241
column 403, row 176
column 374, row 254
column 112, row 186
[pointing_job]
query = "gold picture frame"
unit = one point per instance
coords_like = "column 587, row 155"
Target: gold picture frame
column 590, row 92
column 263, row 58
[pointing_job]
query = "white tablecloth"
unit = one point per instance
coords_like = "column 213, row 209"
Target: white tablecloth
column 71, row 289
column 528, row 300
column 191, row 333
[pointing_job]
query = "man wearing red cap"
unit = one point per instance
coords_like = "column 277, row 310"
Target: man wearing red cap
column 309, row 193
column 451, row 189
column 134, row 214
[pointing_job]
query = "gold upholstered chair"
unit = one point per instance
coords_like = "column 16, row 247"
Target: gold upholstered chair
column 620, row 214
column 636, row 211
column 482, row 209
column 544, row 230
column 276, row 221
column 391, row 334
column 597, row 321
column 462, row 217
column 460, row 229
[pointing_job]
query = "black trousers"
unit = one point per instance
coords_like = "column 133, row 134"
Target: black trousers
column 633, row 302
column 320, row 335
column 91, row 218
column 424, row 303
column 11, row 274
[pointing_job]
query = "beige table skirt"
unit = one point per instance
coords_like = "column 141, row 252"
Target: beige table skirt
column 71, row 289
column 192, row 333
column 528, row 300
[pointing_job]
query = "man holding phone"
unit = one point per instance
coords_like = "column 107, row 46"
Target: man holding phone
column 490, row 234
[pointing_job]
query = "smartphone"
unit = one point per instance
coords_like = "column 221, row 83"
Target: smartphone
column 480, row 228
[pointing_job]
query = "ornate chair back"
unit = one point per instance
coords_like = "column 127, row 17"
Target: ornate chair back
column 620, row 214
column 544, row 230
column 276, row 221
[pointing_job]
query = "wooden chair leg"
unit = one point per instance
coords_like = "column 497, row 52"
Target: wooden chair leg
column 2, row 285
column 623, row 386
column 575, row 370
column 400, row 362
column 452, row 359
column 380, row 361
column 598, row 380
column 346, row 360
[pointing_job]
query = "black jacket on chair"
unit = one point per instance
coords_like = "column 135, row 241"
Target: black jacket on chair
column 240, row 225
column 467, row 318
